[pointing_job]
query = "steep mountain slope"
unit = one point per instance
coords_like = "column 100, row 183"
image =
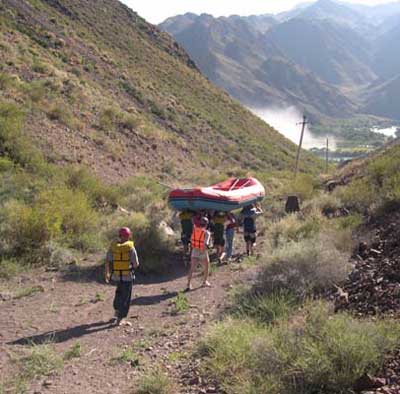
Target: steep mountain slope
column 236, row 56
column 387, row 58
column 102, row 87
column 335, row 53
column 383, row 100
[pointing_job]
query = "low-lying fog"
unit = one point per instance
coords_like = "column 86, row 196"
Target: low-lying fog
column 286, row 121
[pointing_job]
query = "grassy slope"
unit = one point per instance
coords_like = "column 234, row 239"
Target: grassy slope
column 100, row 84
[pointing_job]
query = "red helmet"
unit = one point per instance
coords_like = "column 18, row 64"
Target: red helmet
column 125, row 232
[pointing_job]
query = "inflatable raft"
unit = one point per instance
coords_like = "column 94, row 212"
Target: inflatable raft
column 231, row 194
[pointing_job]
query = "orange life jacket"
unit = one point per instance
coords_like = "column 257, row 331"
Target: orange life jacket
column 198, row 238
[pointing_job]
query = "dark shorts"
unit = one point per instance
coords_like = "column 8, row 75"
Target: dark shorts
column 219, row 231
column 219, row 240
column 185, row 238
column 250, row 237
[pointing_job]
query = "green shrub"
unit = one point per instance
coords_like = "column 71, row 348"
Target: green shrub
column 13, row 142
column 61, row 112
column 27, row 292
column 70, row 211
column 229, row 357
column 35, row 90
column 40, row 67
column 6, row 164
column 154, row 382
column 7, row 81
column 56, row 214
column 325, row 203
column 313, row 352
column 359, row 196
column 294, row 228
column 327, row 353
column 304, row 186
column 264, row 308
column 8, row 268
column 100, row 194
column 73, row 352
column 180, row 304
column 109, row 118
column 304, row 267
column 127, row 355
column 379, row 188
column 350, row 222
column 130, row 121
column 139, row 193
column 39, row 360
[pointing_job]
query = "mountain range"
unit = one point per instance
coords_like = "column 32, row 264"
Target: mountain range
column 326, row 57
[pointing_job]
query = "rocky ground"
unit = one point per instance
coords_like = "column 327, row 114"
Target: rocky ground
column 373, row 290
column 74, row 306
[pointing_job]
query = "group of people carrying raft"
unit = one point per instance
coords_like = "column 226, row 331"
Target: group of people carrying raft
column 198, row 230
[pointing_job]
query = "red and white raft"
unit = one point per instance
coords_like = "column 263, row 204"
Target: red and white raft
column 228, row 195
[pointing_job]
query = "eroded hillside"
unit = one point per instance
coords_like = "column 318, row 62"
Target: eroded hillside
column 102, row 87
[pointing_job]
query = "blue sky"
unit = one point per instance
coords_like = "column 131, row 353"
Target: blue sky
column 156, row 11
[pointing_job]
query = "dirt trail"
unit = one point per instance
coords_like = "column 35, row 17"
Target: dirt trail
column 76, row 307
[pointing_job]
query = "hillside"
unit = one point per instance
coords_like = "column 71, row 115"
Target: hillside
column 103, row 88
column 382, row 100
column 334, row 53
column 387, row 60
column 241, row 57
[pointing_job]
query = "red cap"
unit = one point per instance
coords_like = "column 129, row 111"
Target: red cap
column 125, row 232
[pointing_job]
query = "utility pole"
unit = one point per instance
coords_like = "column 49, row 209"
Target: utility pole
column 303, row 123
column 327, row 155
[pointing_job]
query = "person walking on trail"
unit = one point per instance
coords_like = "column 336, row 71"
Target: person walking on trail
column 199, row 241
column 121, row 261
column 229, row 235
column 219, row 220
column 249, row 215
column 186, row 218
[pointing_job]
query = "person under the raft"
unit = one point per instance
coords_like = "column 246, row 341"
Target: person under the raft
column 200, row 241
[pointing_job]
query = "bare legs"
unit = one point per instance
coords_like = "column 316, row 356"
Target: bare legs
column 194, row 262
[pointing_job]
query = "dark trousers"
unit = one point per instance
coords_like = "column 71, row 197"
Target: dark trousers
column 122, row 299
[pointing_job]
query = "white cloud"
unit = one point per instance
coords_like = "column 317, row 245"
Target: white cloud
column 156, row 11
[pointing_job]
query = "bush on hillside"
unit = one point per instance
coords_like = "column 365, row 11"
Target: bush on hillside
column 378, row 189
column 313, row 352
column 61, row 112
column 305, row 267
column 304, row 186
column 325, row 203
column 294, row 227
column 58, row 214
column 13, row 143
column 109, row 118
column 154, row 382
column 99, row 194
column 359, row 196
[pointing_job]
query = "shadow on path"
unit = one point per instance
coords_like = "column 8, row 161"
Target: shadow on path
column 153, row 299
column 64, row 335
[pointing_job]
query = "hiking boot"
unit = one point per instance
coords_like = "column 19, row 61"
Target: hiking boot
column 206, row 284
column 115, row 317
column 188, row 288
